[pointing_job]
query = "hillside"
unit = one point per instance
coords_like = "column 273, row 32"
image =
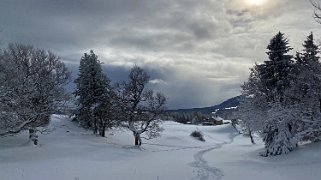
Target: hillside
column 232, row 102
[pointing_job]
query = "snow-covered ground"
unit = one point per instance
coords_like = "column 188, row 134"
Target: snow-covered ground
column 71, row 153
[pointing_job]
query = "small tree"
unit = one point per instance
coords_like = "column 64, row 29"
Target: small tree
column 139, row 108
column 105, row 112
column 31, row 89
column 253, row 107
column 278, row 132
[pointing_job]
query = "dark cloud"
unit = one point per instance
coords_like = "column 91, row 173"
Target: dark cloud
column 197, row 52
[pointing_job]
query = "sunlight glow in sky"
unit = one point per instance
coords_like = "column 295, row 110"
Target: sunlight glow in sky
column 256, row 2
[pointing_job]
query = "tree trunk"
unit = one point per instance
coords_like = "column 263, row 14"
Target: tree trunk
column 138, row 140
column 234, row 123
column 33, row 135
column 102, row 131
column 95, row 126
column 252, row 139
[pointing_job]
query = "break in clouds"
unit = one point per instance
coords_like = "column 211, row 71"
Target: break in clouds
column 197, row 52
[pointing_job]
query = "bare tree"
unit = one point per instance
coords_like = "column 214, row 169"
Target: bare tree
column 31, row 88
column 139, row 108
column 317, row 11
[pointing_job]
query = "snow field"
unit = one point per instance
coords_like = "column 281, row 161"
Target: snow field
column 69, row 152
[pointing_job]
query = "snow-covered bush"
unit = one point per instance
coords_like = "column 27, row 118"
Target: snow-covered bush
column 279, row 134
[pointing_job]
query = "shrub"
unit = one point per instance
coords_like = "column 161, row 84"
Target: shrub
column 198, row 135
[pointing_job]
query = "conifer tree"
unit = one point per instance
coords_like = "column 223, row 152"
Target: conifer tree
column 94, row 95
column 307, row 90
column 276, row 71
column 266, row 95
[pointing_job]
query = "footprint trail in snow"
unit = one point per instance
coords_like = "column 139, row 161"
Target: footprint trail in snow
column 202, row 170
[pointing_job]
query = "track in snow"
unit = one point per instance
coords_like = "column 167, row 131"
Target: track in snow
column 202, row 170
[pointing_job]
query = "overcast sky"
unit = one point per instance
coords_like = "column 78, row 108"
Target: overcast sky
column 197, row 51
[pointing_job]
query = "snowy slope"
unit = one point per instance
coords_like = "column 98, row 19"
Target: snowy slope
column 69, row 153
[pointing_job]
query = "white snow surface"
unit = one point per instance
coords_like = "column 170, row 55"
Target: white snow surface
column 72, row 153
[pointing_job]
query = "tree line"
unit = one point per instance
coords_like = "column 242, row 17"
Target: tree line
column 283, row 96
column 32, row 87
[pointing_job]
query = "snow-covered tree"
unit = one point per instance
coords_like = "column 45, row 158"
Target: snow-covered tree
column 31, row 89
column 254, row 104
column 278, row 132
column 306, row 90
column 106, row 111
column 266, row 94
column 139, row 107
column 94, row 95
column 276, row 71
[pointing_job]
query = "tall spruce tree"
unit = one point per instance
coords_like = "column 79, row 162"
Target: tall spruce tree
column 94, row 95
column 266, row 98
column 307, row 90
column 276, row 71
column 276, row 77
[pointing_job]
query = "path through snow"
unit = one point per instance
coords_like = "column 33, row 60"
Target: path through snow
column 202, row 169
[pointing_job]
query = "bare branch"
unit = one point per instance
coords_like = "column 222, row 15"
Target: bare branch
column 317, row 11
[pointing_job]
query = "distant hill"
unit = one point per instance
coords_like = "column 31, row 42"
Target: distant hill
column 228, row 104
